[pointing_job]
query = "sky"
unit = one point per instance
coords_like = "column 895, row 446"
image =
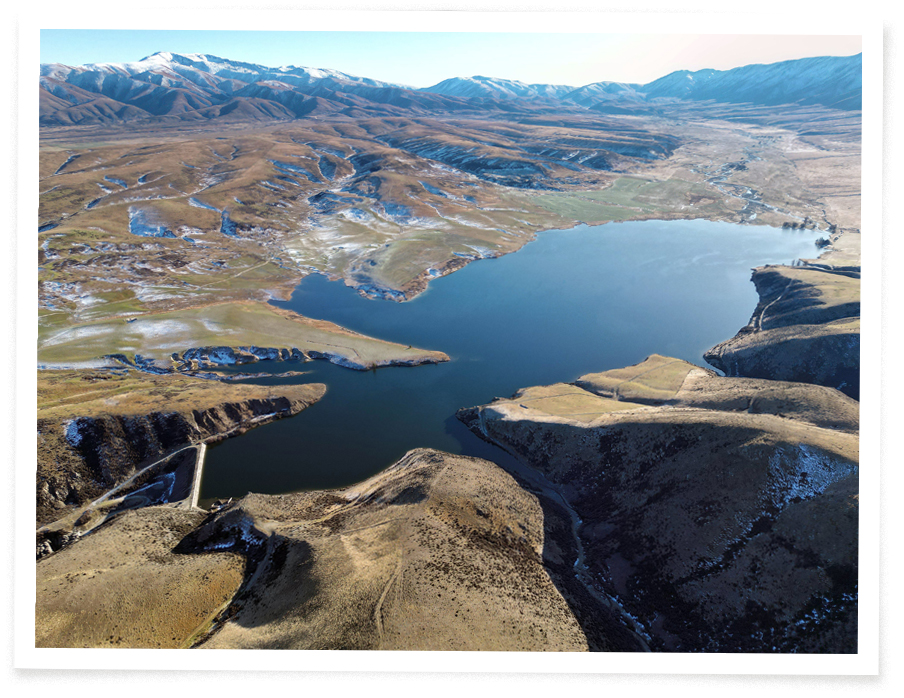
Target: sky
column 422, row 59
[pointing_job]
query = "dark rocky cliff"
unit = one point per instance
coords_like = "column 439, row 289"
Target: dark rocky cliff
column 806, row 328
column 81, row 458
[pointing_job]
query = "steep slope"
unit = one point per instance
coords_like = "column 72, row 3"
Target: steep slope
column 806, row 326
column 722, row 513
column 438, row 552
column 96, row 429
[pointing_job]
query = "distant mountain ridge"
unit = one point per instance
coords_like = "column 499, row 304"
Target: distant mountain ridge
column 167, row 86
column 184, row 87
column 480, row 87
column 830, row 81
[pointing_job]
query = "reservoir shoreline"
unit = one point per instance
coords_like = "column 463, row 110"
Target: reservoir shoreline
column 551, row 351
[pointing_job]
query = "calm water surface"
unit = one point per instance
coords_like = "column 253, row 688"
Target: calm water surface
column 572, row 302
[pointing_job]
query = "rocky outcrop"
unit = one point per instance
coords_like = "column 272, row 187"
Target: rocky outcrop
column 198, row 358
column 806, row 328
column 721, row 513
column 205, row 357
column 81, row 457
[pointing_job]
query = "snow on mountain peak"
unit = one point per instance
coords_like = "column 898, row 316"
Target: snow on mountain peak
column 481, row 86
column 159, row 57
column 155, row 83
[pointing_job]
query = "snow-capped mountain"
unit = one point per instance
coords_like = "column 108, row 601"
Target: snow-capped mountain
column 599, row 91
column 829, row 80
column 480, row 87
column 184, row 87
column 682, row 84
column 197, row 86
column 201, row 70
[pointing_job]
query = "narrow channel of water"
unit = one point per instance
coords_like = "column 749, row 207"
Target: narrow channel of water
column 572, row 302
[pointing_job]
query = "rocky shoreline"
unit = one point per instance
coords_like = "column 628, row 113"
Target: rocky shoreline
column 805, row 328
column 193, row 360
column 85, row 451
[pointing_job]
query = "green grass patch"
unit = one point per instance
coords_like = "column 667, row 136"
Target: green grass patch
column 580, row 209
column 632, row 197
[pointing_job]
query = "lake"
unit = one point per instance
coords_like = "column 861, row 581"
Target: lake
column 573, row 301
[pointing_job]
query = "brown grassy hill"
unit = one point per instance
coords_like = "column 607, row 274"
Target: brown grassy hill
column 438, row 552
column 721, row 512
column 124, row 586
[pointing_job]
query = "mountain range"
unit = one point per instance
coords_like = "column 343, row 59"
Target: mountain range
column 166, row 87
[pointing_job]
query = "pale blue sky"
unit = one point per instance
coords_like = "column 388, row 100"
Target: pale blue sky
column 422, row 59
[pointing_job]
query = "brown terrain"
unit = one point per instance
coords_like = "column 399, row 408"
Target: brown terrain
column 124, row 586
column 436, row 552
column 720, row 512
column 656, row 507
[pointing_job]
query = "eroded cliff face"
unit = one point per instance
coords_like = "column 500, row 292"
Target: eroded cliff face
column 727, row 527
column 806, row 328
column 93, row 446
